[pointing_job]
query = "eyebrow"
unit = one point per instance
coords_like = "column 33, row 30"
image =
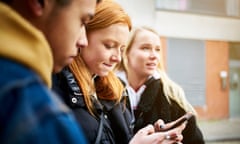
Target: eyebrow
column 98, row 1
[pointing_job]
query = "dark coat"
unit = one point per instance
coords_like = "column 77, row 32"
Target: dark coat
column 154, row 105
column 116, row 122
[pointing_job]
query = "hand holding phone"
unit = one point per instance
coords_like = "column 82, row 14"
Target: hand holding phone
column 177, row 122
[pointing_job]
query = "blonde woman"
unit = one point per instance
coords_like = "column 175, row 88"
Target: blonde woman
column 152, row 94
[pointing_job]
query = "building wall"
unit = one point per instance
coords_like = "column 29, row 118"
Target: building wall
column 217, row 98
column 180, row 24
column 202, row 27
column 164, row 50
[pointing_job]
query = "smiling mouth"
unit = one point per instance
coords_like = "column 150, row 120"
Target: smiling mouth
column 151, row 64
column 108, row 65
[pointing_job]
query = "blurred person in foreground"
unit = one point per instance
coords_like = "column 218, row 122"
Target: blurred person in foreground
column 37, row 38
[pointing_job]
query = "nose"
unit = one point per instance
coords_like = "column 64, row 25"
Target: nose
column 116, row 57
column 153, row 54
column 82, row 41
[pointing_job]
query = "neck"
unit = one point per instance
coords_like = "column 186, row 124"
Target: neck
column 136, row 81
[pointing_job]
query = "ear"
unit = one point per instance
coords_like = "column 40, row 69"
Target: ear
column 36, row 6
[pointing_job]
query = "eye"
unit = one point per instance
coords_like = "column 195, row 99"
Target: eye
column 158, row 49
column 108, row 46
column 145, row 48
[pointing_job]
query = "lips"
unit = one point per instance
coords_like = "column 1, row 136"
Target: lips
column 108, row 65
column 151, row 65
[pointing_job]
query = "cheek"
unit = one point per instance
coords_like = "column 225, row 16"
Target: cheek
column 63, row 41
column 159, row 58
column 134, row 61
column 90, row 56
column 138, row 57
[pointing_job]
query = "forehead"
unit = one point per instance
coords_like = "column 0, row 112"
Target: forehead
column 116, row 32
column 146, row 36
column 85, row 7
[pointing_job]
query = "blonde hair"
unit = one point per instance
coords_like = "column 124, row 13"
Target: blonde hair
column 171, row 89
column 108, row 87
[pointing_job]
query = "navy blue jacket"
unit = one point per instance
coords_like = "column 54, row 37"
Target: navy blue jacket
column 30, row 112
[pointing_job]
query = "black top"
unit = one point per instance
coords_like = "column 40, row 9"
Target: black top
column 154, row 105
column 116, row 123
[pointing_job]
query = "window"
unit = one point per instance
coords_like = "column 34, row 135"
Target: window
column 186, row 66
column 230, row 8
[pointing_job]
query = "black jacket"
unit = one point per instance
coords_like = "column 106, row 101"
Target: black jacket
column 116, row 122
column 154, row 105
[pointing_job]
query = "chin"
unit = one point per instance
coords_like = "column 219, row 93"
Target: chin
column 149, row 73
column 102, row 74
column 57, row 70
column 59, row 67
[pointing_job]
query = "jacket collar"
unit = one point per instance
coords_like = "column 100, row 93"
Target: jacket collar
column 149, row 95
column 30, row 49
column 123, row 76
column 76, row 95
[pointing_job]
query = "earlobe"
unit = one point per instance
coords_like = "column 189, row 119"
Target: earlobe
column 36, row 6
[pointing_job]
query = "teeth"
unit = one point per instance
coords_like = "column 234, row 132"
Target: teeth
column 151, row 64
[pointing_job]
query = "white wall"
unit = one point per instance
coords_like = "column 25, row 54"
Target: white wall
column 197, row 26
column 141, row 11
column 182, row 25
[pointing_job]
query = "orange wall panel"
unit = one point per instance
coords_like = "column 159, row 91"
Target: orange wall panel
column 217, row 98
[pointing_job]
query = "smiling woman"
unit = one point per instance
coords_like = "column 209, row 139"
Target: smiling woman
column 90, row 87
column 104, row 51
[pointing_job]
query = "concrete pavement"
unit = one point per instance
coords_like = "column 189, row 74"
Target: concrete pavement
column 220, row 130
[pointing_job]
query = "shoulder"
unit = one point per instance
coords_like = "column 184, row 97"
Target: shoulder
column 30, row 104
column 122, row 76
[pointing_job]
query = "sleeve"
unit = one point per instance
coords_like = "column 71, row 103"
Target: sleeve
column 192, row 133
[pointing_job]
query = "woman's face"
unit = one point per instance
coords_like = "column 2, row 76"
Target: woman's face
column 104, row 48
column 144, row 55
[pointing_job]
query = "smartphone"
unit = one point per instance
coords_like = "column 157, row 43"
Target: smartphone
column 179, row 121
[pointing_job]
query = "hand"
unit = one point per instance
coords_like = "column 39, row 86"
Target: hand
column 160, row 126
column 147, row 135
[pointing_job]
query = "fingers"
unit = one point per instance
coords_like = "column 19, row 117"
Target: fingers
column 175, row 134
column 159, row 124
column 149, row 129
column 165, row 138
column 174, row 137
column 147, row 135
column 144, row 136
column 170, row 126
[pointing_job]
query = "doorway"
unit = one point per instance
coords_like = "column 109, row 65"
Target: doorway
column 234, row 79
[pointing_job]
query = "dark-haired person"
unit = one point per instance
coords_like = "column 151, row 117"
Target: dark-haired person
column 38, row 38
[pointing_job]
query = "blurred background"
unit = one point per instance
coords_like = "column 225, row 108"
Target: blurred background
column 201, row 44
